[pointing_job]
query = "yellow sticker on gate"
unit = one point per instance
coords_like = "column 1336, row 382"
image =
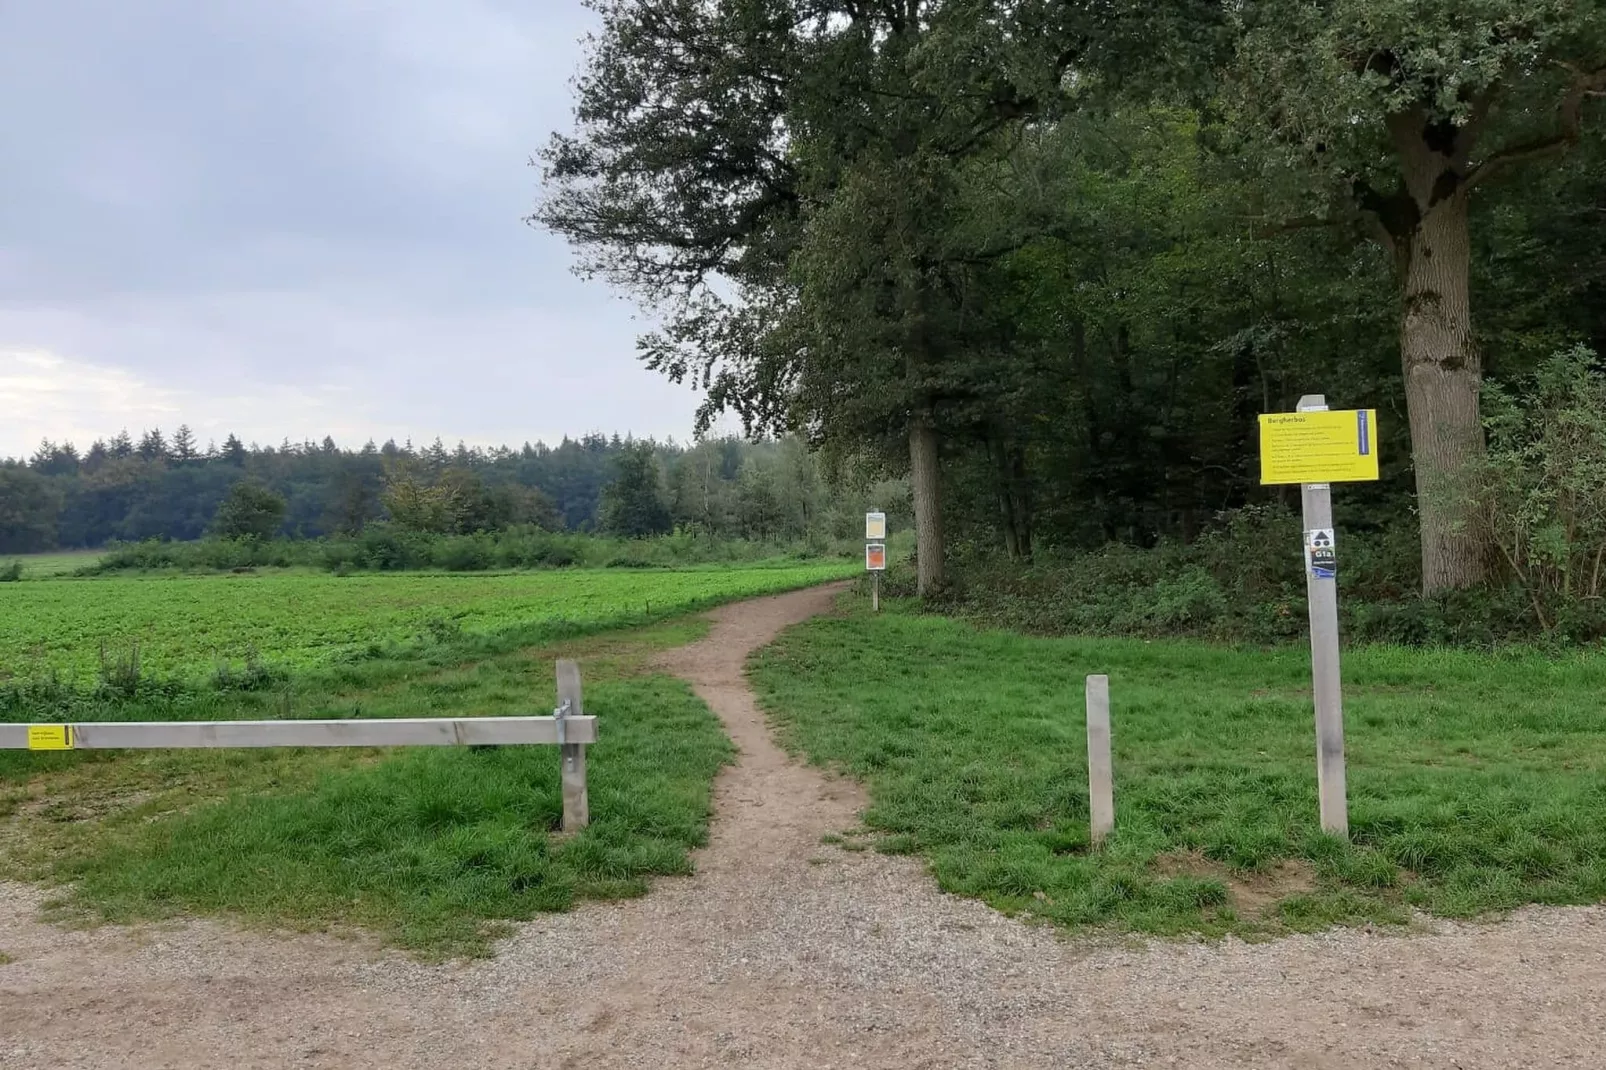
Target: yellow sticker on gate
column 1322, row 446
column 50, row 737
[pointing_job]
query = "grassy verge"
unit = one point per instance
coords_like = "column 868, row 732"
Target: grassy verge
column 434, row 850
column 1476, row 781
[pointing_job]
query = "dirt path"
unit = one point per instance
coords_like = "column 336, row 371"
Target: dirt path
column 785, row 953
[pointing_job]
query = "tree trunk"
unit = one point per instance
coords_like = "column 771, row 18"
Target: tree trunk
column 1443, row 369
column 1021, row 492
column 1443, row 378
column 924, row 482
column 998, row 453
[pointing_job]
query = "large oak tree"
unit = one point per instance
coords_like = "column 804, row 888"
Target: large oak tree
column 1395, row 113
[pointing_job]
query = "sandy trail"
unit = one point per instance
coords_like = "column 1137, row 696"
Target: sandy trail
column 781, row 952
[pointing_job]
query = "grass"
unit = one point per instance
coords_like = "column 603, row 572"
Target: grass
column 1476, row 781
column 45, row 566
column 434, row 850
column 186, row 626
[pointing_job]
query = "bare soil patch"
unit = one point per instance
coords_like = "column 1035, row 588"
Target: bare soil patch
column 1253, row 894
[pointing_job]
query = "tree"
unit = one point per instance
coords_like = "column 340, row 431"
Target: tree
column 352, row 502
column 234, row 451
column 152, row 446
column 633, row 504
column 712, row 138
column 184, row 449
column 509, row 504
column 51, row 459
column 700, row 483
column 758, row 501
column 29, row 506
column 418, row 505
column 250, row 511
column 103, row 497
column 1396, row 113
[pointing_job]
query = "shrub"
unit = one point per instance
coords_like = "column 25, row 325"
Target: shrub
column 1542, row 500
column 464, row 553
column 11, row 573
column 255, row 675
column 1243, row 580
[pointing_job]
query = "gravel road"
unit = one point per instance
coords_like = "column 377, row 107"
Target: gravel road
column 782, row 952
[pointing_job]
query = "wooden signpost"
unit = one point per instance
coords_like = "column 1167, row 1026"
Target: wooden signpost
column 571, row 708
column 1100, row 774
column 875, row 554
column 1316, row 447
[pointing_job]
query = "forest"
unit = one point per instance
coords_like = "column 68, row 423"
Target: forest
column 155, row 487
column 1049, row 262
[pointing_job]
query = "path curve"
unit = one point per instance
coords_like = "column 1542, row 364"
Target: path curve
column 782, row 952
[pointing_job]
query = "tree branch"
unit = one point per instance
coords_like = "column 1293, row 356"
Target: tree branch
column 1570, row 117
column 1289, row 226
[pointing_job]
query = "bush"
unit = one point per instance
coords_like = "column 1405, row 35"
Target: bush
column 11, row 573
column 255, row 675
column 1542, row 501
column 385, row 547
column 465, row 553
column 1243, row 580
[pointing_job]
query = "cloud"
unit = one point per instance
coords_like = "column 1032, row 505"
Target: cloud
column 353, row 369
column 299, row 217
column 49, row 396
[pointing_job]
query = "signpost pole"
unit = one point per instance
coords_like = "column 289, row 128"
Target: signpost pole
column 1100, row 778
column 1321, row 588
column 875, row 554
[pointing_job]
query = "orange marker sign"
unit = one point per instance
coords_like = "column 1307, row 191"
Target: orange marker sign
column 875, row 557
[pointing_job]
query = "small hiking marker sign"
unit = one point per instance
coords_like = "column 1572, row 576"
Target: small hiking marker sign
column 875, row 555
column 1318, row 446
column 1321, row 556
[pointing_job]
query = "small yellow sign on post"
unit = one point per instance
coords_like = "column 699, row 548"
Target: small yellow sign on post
column 50, row 737
column 1338, row 446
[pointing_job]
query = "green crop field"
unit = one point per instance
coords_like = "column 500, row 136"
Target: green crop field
column 184, row 626
column 434, row 850
column 1477, row 782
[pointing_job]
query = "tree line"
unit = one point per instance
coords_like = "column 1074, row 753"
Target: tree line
column 156, row 487
column 1049, row 261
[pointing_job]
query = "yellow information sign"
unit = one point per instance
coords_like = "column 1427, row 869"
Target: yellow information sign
column 1328, row 446
column 50, row 737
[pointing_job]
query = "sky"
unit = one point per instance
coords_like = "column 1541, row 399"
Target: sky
column 293, row 218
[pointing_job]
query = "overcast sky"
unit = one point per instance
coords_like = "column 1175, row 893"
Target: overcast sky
column 297, row 218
